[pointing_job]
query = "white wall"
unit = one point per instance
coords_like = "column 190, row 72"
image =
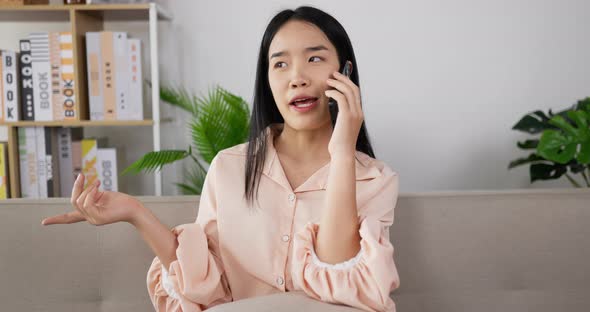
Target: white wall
column 443, row 82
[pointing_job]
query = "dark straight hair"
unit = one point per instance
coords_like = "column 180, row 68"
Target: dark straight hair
column 265, row 111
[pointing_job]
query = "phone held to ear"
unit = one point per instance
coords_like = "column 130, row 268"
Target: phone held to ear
column 332, row 105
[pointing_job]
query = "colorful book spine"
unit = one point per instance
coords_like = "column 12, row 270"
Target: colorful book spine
column 41, row 76
column 26, row 76
column 68, row 81
column 135, row 99
column 27, row 150
column 95, row 85
column 107, row 169
column 89, row 159
column 77, row 157
column 41, row 162
column 55, row 61
column 4, row 189
column 121, row 66
column 52, row 161
column 10, row 88
column 67, row 173
column 2, row 115
column 108, row 77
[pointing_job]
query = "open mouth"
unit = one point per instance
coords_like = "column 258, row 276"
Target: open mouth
column 302, row 103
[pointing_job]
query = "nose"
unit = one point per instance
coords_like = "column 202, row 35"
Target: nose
column 298, row 80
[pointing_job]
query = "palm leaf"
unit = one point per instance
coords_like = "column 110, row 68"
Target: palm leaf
column 179, row 97
column 153, row 161
column 221, row 122
column 218, row 122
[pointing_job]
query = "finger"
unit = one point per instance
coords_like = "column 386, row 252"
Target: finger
column 77, row 189
column 80, row 200
column 67, row 218
column 89, row 201
column 343, row 88
column 356, row 105
column 340, row 100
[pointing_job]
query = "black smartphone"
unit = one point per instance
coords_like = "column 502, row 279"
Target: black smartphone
column 332, row 105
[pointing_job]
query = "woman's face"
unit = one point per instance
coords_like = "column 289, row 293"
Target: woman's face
column 300, row 60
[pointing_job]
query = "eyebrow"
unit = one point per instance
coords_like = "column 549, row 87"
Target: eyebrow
column 309, row 49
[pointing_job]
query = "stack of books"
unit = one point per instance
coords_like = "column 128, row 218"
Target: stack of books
column 114, row 76
column 38, row 81
column 51, row 158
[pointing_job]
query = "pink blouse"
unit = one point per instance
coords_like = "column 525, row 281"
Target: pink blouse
column 234, row 252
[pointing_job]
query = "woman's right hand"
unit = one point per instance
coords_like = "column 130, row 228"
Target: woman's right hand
column 98, row 208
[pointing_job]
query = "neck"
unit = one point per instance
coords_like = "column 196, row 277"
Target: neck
column 304, row 146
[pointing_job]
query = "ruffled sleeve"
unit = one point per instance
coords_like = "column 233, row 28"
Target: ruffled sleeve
column 196, row 280
column 366, row 280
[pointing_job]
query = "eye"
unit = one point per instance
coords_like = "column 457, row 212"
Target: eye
column 277, row 64
column 316, row 57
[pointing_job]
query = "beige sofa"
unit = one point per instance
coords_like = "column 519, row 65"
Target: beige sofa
column 504, row 251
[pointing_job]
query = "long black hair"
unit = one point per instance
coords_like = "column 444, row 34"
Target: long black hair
column 265, row 111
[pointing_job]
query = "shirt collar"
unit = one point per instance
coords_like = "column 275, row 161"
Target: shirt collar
column 364, row 167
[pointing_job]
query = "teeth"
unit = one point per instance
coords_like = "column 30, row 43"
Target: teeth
column 310, row 100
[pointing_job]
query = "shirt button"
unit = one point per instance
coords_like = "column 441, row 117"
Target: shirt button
column 291, row 197
column 285, row 238
column 280, row 281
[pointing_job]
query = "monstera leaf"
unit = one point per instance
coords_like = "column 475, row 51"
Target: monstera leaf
column 571, row 141
column 564, row 146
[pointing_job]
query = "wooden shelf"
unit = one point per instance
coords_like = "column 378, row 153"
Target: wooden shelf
column 81, row 123
column 81, row 19
column 130, row 11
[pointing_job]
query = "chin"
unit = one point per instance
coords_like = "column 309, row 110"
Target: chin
column 306, row 124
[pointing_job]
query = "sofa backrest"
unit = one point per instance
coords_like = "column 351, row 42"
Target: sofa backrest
column 522, row 250
column 484, row 251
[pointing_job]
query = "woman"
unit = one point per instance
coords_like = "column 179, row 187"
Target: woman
column 314, row 208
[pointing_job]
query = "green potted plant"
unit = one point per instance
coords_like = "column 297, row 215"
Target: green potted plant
column 563, row 148
column 218, row 121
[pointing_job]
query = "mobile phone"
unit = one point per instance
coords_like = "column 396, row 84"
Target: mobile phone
column 332, row 105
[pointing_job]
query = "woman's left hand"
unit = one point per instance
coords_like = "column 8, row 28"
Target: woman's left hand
column 350, row 116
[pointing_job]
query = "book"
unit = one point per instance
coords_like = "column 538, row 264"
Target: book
column 134, row 107
column 4, row 186
column 95, row 85
column 76, row 157
column 27, row 155
column 52, row 162
column 55, row 62
column 90, row 148
column 41, row 75
column 108, row 77
column 68, row 80
column 121, row 67
column 26, row 76
column 67, row 173
column 10, row 86
column 41, row 162
column 107, row 169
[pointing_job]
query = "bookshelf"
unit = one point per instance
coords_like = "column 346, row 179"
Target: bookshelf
column 81, row 19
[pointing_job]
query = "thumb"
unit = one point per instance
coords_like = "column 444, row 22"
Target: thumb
column 67, row 218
